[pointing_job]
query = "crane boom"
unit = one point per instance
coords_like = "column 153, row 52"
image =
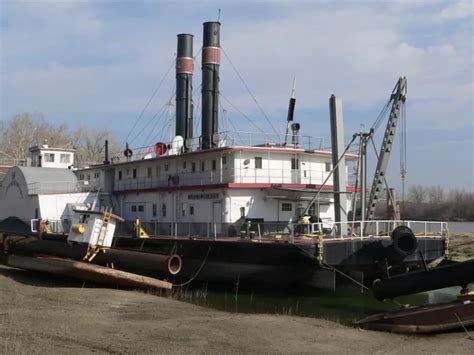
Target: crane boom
column 397, row 98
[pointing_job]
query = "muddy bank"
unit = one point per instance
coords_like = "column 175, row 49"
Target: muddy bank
column 53, row 315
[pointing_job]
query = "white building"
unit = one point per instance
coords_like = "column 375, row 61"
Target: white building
column 31, row 193
column 46, row 157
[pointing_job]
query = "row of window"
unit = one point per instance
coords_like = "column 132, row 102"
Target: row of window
column 154, row 209
column 285, row 206
column 166, row 168
column 63, row 158
column 88, row 176
column 295, row 165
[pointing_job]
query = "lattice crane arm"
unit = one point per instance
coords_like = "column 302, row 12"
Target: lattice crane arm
column 397, row 99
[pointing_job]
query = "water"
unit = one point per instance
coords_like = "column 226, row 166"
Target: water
column 461, row 227
column 343, row 307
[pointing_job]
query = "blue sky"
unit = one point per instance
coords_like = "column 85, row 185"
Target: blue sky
column 96, row 63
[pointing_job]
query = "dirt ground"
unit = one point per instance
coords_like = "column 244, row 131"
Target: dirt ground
column 52, row 315
column 461, row 246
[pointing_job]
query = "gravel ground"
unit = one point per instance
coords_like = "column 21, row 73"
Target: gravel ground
column 46, row 314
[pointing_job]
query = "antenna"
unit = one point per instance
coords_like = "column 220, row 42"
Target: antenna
column 218, row 15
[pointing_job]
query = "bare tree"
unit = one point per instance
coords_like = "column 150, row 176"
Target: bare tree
column 435, row 194
column 417, row 193
column 90, row 144
column 25, row 130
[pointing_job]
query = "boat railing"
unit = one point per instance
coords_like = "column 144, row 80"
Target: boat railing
column 368, row 229
column 244, row 230
column 226, row 139
column 226, row 175
column 287, row 231
column 43, row 187
column 50, row 226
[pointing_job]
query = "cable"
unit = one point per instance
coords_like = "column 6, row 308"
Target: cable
column 247, row 117
column 250, row 93
column 149, row 101
column 198, row 271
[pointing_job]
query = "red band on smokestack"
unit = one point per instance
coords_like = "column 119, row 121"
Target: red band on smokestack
column 211, row 55
column 184, row 65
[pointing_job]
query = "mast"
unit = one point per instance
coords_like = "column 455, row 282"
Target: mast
column 291, row 110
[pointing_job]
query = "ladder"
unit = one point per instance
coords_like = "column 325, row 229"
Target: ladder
column 101, row 230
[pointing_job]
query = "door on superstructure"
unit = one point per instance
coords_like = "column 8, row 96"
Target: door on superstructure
column 295, row 171
column 286, row 211
column 216, row 218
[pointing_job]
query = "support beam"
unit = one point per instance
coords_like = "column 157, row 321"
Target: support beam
column 337, row 142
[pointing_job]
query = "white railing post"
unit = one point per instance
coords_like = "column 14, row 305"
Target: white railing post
column 425, row 228
column 377, row 228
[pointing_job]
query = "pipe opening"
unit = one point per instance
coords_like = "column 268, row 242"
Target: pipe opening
column 174, row 264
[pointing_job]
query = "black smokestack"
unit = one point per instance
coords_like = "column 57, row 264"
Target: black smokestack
column 184, row 89
column 106, row 148
column 211, row 56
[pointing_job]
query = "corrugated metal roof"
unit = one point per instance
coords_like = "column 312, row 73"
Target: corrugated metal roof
column 48, row 180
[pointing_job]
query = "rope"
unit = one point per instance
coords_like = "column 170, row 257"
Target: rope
column 198, row 271
column 248, row 90
column 150, row 99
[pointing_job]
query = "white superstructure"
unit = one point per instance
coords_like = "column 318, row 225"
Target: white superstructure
column 220, row 186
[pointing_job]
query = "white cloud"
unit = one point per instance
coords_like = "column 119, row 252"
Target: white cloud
column 456, row 10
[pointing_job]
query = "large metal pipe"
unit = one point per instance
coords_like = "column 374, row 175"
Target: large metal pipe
column 460, row 274
column 126, row 260
column 184, row 89
column 211, row 55
column 85, row 271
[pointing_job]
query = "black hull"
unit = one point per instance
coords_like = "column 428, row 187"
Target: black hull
column 233, row 261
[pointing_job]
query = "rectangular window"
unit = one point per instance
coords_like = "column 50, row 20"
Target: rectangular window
column 140, row 208
column 158, row 170
column 134, row 208
column 258, row 162
column 166, row 167
column 148, row 172
column 184, row 164
column 328, row 167
column 295, row 164
column 286, row 207
column 65, row 158
column 81, row 177
column 191, row 210
column 163, row 210
column 88, row 177
column 193, row 167
column 154, row 210
column 242, row 212
column 304, row 172
column 224, row 160
column 134, row 173
column 214, row 164
column 203, row 165
column 49, row 157
column 96, row 175
column 120, row 175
